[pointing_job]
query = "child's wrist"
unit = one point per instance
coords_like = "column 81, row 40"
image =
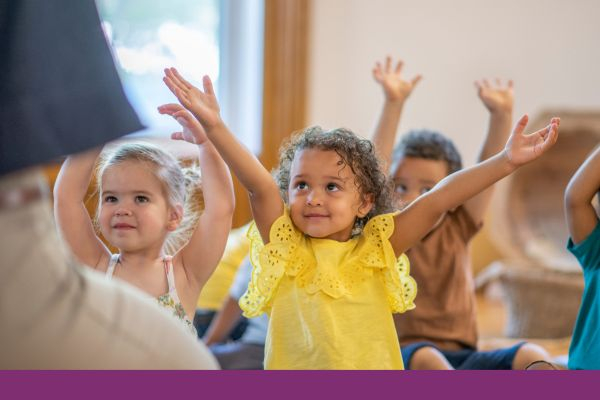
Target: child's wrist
column 395, row 103
column 217, row 125
column 509, row 164
column 501, row 112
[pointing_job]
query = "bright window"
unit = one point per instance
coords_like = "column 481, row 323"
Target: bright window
column 222, row 39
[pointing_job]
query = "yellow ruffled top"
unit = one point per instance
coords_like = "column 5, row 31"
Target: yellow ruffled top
column 330, row 303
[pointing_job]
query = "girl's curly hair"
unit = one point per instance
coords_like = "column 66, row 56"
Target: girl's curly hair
column 355, row 152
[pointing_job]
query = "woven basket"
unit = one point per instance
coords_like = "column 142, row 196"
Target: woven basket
column 541, row 303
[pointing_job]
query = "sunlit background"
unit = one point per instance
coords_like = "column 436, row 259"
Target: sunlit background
column 147, row 36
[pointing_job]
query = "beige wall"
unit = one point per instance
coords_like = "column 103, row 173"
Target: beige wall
column 551, row 49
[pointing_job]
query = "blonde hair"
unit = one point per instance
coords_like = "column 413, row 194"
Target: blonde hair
column 181, row 185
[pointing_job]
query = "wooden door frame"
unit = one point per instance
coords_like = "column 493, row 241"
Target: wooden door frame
column 286, row 38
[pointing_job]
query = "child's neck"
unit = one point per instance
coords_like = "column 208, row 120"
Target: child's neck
column 140, row 259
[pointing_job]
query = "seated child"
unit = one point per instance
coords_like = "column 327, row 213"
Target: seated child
column 248, row 351
column 584, row 243
column 328, row 255
column 441, row 333
column 216, row 290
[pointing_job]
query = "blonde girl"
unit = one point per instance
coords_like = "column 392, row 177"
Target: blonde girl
column 141, row 212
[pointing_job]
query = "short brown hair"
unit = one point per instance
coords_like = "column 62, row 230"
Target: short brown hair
column 429, row 145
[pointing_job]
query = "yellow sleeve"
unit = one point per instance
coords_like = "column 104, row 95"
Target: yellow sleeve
column 377, row 252
column 269, row 263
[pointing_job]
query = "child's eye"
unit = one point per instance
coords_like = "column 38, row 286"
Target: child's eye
column 424, row 190
column 301, row 185
column 110, row 199
column 400, row 188
column 332, row 187
column 141, row 199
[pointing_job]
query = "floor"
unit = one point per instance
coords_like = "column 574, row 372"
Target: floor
column 491, row 318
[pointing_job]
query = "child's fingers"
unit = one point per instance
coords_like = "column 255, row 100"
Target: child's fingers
column 399, row 66
column 183, row 115
column 376, row 74
column 208, row 86
column 170, row 84
column 174, row 80
column 182, row 97
column 510, row 84
column 388, row 63
column 521, row 124
column 546, row 131
column 181, row 79
column 551, row 137
column 416, row 80
column 169, row 108
column 177, row 136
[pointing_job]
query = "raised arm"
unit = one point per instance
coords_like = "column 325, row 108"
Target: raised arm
column 223, row 322
column 203, row 251
column 416, row 220
column 396, row 91
column 71, row 216
column 498, row 99
column 265, row 200
column 581, row 216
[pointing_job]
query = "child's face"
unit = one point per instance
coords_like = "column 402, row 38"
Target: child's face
column 415, row 176
column 323, row 197
column 134, row 214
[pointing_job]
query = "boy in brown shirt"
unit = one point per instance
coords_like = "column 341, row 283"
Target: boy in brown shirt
column 441, row 332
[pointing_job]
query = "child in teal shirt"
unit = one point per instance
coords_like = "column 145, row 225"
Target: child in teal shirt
column 584, row 243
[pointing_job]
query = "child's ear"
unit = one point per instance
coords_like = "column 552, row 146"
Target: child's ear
column 366, row 205
column 175, row 216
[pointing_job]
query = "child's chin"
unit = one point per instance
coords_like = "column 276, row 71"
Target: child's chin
column 317, row 234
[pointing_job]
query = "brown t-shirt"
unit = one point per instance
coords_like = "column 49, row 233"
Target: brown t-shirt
column 445, row 311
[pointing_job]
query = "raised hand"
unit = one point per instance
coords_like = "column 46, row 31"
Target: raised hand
column 521, row 149
column 192, row 132
column 203, row 104
column 496, row 97
column 395, row 88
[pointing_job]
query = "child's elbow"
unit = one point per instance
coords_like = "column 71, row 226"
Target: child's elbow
column 58, row 194
column 573, row 198
column 226, row 207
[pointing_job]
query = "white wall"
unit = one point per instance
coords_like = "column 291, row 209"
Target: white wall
column 550, row 48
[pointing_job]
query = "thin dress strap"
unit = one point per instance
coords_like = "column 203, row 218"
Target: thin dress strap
column 168, row 261
column 114, row 259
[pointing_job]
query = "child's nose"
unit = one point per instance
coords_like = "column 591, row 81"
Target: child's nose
column 314, row 199
column 121, row 212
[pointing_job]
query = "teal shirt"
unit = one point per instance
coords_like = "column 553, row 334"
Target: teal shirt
column 584, row 352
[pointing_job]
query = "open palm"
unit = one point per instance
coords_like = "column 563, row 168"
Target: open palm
column 192, row 130
column 522, row 148
column 203, row 104
column 394, row 86
column 497, row 96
